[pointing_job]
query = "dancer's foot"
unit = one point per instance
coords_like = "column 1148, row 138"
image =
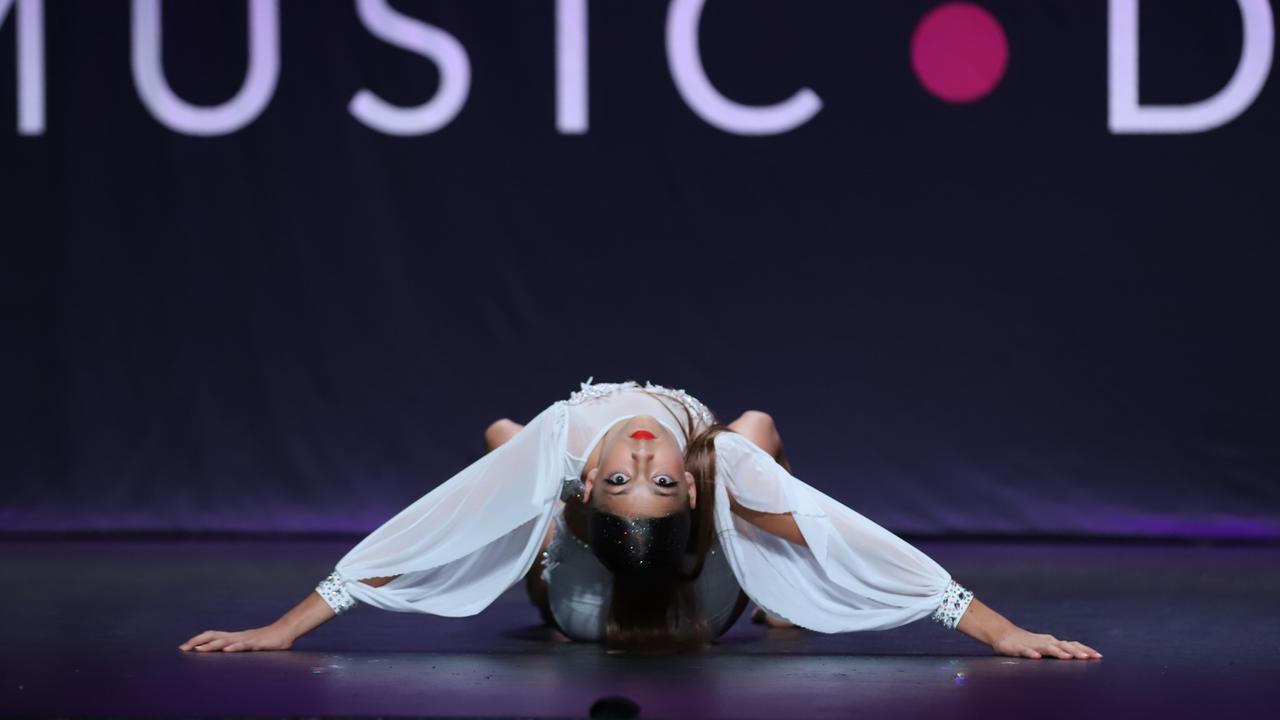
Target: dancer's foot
column 760, row 617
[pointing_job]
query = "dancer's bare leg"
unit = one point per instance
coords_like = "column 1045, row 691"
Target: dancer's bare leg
column 759, row 428
column 499, row 432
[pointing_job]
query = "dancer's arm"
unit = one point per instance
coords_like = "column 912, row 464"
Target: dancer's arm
column 450, row 553
column 306, row 616
column 984, row 624
column 978, row 620
column 759, row 427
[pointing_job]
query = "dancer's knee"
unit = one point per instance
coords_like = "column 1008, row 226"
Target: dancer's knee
column 499, row 431
column 758, row 427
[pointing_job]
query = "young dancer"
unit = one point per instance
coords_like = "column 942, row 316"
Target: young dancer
column 638, row 521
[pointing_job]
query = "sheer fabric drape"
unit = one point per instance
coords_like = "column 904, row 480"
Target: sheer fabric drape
column 461, row 545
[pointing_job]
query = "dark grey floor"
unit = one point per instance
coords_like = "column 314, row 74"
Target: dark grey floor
column 92, row 628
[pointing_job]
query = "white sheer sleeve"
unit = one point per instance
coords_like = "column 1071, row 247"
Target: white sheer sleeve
column 853, row 574
column 461, row 545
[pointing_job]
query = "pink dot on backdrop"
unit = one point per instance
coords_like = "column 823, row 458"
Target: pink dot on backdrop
column 959, row 52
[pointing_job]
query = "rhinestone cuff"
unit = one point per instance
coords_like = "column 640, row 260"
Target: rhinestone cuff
column 335, row 594
column 954, row 602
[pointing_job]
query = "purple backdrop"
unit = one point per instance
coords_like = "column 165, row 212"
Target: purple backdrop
column 1029, row 311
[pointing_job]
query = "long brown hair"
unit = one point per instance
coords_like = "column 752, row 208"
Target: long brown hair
column 662, row 612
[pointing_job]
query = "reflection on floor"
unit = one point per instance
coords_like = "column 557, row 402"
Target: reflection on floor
column 92, row 628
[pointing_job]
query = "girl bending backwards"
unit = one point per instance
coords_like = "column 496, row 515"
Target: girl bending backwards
column 637, row 521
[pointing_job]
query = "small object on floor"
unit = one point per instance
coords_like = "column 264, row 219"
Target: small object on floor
column 614, row 707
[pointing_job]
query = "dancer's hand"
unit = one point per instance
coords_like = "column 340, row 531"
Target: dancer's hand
column 271, row 637
column 1021, row 643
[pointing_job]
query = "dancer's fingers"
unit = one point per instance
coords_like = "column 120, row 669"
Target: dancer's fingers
column 1088, row 651
column 201, row 639
column 1057, row 651
column 215, row 644
column 1074, row 648
column 198, row 639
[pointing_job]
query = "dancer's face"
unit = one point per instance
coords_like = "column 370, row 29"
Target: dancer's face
column 638, row 475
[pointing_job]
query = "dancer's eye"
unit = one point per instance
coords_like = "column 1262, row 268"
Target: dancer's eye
column 665, row 481
column 616, row 479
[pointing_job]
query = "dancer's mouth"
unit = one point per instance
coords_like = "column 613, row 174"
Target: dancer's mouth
column 643, row 435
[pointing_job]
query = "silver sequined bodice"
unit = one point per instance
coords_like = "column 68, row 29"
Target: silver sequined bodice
column 580, row 587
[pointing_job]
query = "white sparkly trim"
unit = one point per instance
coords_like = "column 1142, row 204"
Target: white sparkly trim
column 335, row 594
column 591, row 391
column 955, row 601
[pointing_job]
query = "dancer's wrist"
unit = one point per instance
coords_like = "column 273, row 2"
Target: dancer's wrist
column 985, row 625
column 287, row 628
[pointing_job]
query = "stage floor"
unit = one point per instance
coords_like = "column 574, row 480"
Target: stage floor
column 92, row 628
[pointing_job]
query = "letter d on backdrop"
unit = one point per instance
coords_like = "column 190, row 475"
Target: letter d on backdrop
column 1126, row 115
